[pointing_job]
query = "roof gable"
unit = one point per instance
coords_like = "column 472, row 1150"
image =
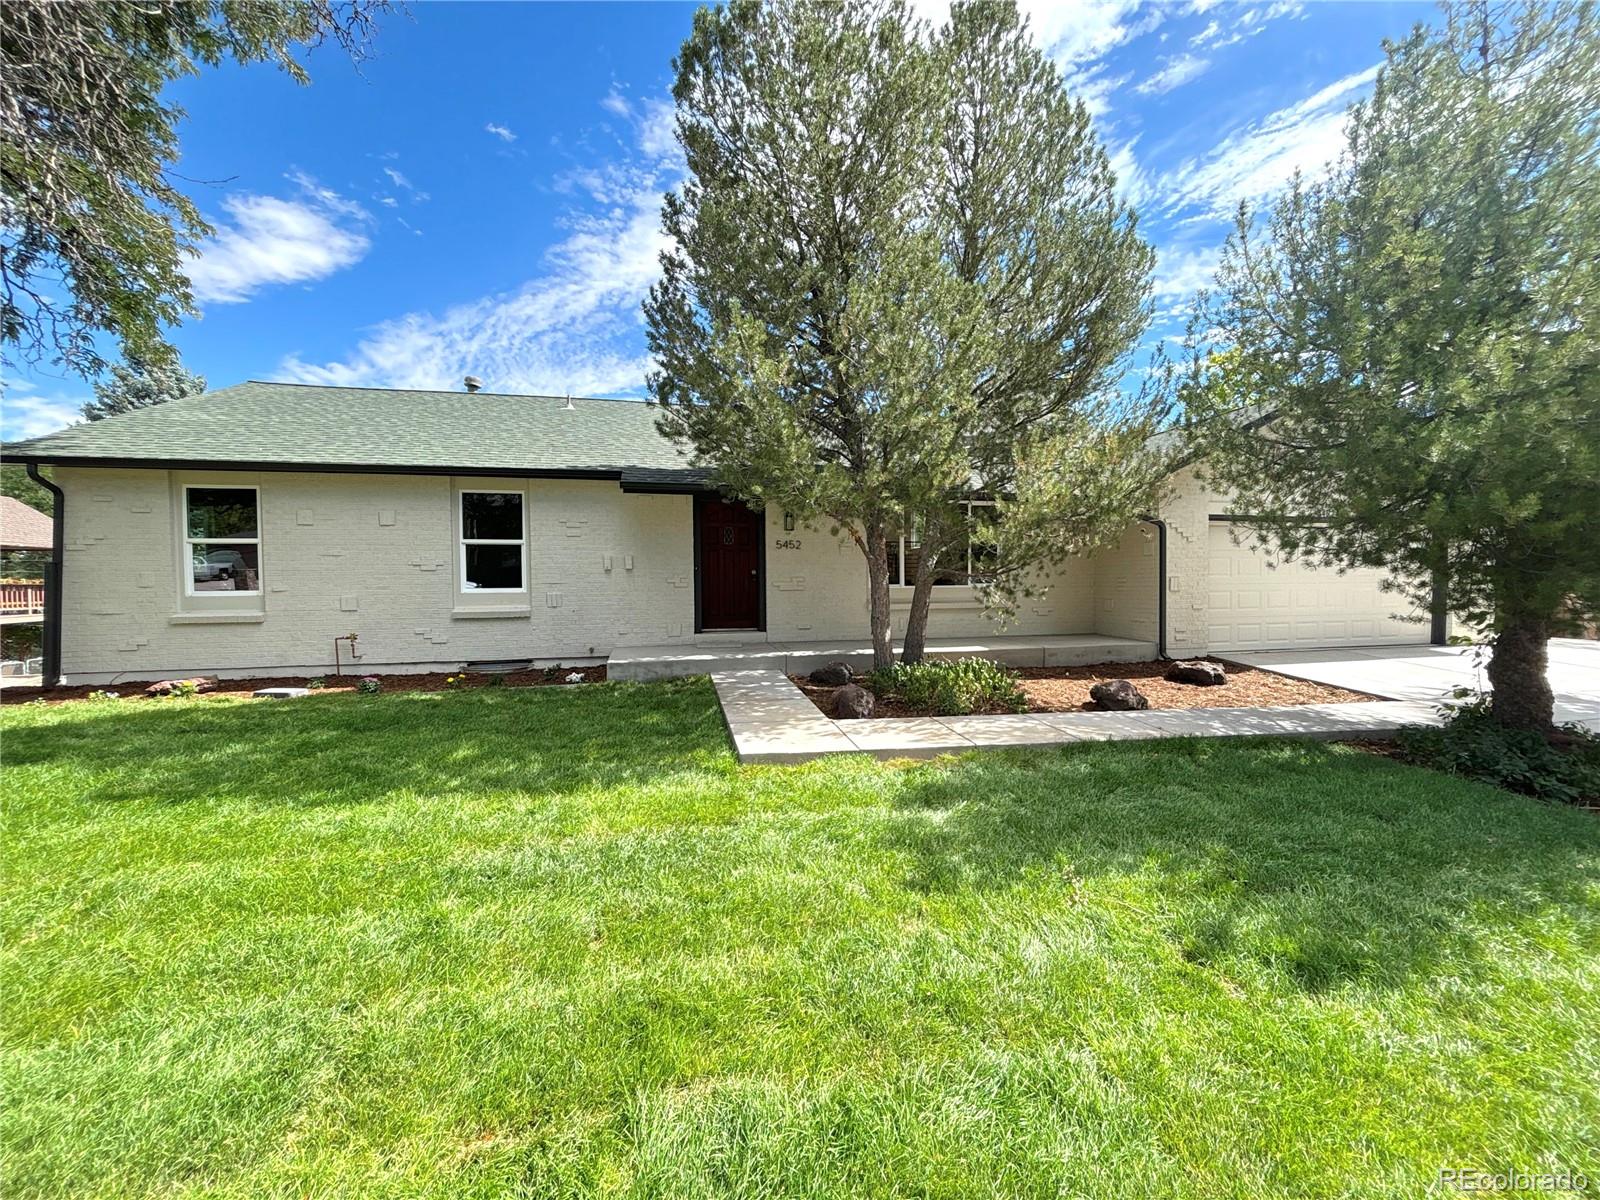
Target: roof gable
column 23, row 527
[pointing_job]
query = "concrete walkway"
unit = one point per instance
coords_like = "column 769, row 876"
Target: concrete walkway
column 772, row 721
column 1432, row 672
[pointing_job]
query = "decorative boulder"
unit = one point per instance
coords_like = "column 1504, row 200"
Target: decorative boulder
column 167, row 686
column 834, row 674
column 1118, row 695
column 852, row 703
column 1197, row 671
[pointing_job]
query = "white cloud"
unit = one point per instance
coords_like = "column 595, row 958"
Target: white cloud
column 1072, row 33
column 400, row 181
column 1258, row 161
column 653, row 122
column 500, row 131
column 1182, row 272
column 1176, row 72
column 573, row 326
column 1093, row 85
column 25, row 414
column 267, row 240
column 1132, row 182
column 1089, row 29
column 1250, row 22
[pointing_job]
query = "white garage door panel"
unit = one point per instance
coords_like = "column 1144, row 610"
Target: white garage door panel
column 1258, row 602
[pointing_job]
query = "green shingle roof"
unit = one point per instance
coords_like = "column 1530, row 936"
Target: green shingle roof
column 299, row 425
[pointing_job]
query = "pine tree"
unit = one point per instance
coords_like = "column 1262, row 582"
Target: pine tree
column 900, row 276
column 1403, row 368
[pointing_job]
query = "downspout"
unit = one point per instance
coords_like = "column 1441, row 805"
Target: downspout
column 1161, row 583
column 52, row 579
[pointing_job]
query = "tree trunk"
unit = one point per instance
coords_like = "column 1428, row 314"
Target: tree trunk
column 1439, row 609
column 916, row 639
column 876, row 546
column 1517, row 672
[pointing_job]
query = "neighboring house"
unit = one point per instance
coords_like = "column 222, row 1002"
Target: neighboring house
column 24, row 542
column 242, row 531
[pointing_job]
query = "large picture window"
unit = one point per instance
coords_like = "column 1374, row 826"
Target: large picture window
column 905, row 554
column 222, row 533
column 493, row 541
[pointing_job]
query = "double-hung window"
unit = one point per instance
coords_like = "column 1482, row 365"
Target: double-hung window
column 222, row 534
column 975, row 557
column 494, row 538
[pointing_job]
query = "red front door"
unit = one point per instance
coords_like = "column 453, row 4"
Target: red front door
column 730, row 565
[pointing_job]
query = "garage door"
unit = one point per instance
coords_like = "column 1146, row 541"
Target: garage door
column 1257, row 601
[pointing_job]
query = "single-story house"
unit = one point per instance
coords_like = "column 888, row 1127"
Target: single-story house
column 240, row 532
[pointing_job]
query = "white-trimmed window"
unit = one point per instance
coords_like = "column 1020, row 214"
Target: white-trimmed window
column 905, row 554
column 222, row 534
column 494, row 538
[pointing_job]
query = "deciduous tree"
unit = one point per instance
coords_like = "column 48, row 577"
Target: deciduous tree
column 96, row 226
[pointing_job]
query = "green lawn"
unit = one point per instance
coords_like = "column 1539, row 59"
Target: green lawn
column 555, row 942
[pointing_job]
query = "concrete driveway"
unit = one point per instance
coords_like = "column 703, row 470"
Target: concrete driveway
column 1432, row 672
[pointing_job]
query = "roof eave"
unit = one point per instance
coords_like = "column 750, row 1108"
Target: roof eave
column 195, row 464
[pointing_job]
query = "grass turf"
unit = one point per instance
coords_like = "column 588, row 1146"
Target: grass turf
column 556, row 942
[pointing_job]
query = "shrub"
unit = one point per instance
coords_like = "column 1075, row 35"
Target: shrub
column 317, row 684
column 1472, row 743
column 951, row 688
column 370, row 685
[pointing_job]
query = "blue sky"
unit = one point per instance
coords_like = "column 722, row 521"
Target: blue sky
column 483, row 195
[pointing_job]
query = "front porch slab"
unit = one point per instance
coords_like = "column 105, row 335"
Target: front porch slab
column 713, row 654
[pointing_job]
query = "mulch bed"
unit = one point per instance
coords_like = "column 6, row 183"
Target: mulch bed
column 1066, row 689
column 134, row 689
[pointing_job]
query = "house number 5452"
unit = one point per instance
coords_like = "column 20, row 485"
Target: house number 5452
column 787, row 543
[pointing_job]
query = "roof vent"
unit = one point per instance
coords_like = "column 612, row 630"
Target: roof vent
column 473, row 383
column 567, row 407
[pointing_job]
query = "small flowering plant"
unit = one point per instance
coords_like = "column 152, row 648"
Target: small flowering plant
column 455, row 682
column 370, row 685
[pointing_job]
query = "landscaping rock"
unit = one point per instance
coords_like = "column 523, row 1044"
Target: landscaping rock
column 852, row 703
column 1118, row 695
column 281, row 693
column 834, row 674
column 1197, row 671
column 167, row 686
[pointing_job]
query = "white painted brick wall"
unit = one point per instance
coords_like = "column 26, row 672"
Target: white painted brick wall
column 820, row 591
column 369, row 554
column 376, row 555
column 1187, row 511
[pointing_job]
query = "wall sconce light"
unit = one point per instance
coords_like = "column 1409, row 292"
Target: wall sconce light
column 788, row 522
